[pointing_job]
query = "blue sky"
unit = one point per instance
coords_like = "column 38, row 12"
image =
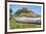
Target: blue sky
column 35, row 9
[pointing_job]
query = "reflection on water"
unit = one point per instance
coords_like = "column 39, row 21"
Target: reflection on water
column 27, row 19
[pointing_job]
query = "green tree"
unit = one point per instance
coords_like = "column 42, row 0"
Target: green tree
column 11, row 10
column 11, row 15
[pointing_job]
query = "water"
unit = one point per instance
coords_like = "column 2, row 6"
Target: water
column 27, row 19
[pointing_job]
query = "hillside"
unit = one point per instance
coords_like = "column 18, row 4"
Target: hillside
column 25, row 12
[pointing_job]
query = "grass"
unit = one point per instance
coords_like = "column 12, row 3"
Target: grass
column 15, row 25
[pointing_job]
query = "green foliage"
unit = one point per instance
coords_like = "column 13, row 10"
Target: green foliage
column 11, row 15
column 15, row 25
column 11, row 10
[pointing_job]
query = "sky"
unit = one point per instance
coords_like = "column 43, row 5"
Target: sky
column 35, row 9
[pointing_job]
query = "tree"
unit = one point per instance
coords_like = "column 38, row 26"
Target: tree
column 11, row 15
column 11, row 10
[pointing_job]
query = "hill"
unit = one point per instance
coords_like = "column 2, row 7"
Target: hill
column 25, row 12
